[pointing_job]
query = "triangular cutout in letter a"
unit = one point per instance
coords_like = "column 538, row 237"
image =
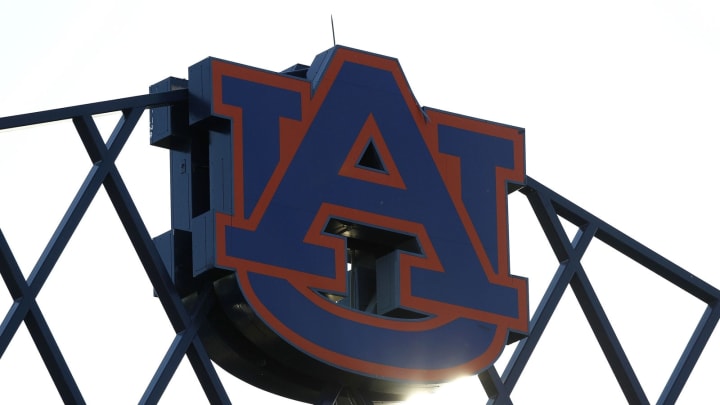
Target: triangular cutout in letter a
column 370, row 159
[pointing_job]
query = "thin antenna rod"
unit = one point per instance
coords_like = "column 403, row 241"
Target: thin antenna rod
column 332, row 25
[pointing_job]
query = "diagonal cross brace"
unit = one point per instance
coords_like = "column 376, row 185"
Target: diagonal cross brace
column 546, row 203
column 38, row 328
column 586, row 296
column 64, row 231
column 25, row 292
column 568, row 254
column 496, row 390
column 104, row 172
column 185, row 326
column 187, row 342
column 548, row 206
column 658, row 265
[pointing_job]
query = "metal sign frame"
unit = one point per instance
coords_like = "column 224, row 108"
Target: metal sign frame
column 548, row 207
column 349, row 221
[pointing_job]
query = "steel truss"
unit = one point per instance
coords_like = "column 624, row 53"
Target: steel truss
column 548, row 206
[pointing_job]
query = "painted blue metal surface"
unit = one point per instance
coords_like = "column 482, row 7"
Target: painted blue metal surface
column 104, row 173
column 548, row 207
column 359, row 228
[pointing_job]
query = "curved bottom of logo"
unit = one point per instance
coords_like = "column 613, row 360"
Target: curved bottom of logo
column 428, row 351
column 242, row 344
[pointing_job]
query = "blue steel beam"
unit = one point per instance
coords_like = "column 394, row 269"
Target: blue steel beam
column 155, row 269
column 59, row 114
column 183, row 342
column 39, row 330
column 494, row 387
column 548, row 207
column 103, row 172
column 125, row 207
column 630, row 247
column 543, row 314
column 543, row 204
column 166, row 292
column 64, row 231
column 609, row 342
column 663, row 268
column 569, row 255
column 547, row 204
column 691, row 354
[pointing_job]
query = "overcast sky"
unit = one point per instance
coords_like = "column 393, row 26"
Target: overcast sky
column 620, row 104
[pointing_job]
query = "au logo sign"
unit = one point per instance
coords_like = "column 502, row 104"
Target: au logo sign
column 366, row 234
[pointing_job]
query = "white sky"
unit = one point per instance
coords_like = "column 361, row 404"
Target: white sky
column 619, row 100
